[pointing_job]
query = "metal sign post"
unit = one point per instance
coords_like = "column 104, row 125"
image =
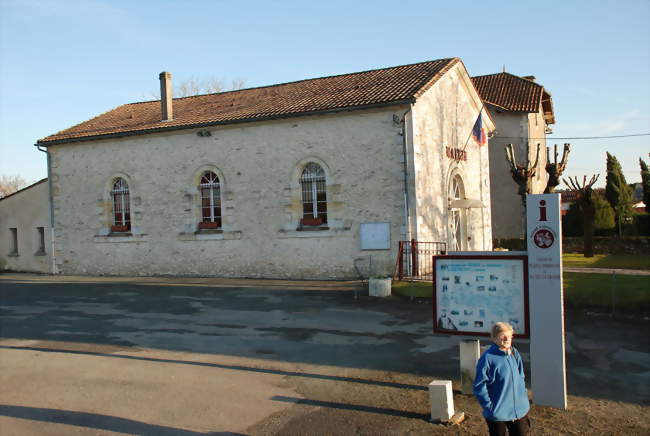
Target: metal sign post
column 547, row 353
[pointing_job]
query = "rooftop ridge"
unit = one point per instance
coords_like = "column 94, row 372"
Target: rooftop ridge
column 299, row 81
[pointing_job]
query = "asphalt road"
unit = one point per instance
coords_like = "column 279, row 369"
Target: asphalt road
column 83, row 355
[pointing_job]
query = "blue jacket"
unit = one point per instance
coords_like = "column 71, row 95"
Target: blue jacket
column 500, row 385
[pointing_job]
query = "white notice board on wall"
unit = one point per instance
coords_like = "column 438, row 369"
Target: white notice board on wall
column 472, row 292
column 375, row 236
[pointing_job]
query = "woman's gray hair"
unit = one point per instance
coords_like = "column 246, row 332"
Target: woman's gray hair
column 500, row 327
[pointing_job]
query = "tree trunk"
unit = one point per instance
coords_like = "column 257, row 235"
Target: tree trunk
column 589, row 215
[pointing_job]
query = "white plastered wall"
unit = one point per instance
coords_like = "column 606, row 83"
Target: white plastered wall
column 26, row 211
column 444, row 117
column 520, row 129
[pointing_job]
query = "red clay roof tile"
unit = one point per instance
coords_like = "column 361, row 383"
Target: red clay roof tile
column 514, row 93
column 347, row 91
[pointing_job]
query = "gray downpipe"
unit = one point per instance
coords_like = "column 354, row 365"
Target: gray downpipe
column 51, row 209
column 407, row 206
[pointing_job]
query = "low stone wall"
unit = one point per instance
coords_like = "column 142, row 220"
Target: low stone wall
column 609, row 245
column 602, row 245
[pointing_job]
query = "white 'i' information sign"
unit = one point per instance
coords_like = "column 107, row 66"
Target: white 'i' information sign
column 547, row 353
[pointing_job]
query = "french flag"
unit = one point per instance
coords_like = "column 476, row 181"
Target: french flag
column 478, row 132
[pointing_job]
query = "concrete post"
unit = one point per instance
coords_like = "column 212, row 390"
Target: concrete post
column 379, row 287
column 470, row 351
column 441, row 400
column 166, row 96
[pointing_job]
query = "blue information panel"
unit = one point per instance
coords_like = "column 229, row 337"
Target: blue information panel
column 472, row 292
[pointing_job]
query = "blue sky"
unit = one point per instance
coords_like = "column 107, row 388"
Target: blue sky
column 64, row 61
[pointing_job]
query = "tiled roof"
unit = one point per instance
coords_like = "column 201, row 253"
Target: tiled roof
column 571, row 195
column 513, row 93
column 348, row 91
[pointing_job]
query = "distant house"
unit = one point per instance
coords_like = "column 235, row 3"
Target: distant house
column 26, row 232
column 568, row 197
column 298, row 180
column 522, row 111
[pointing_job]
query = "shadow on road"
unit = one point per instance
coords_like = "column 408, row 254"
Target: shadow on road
column 354, row 407
column 293, row 322
column 229, row 367
column 97, row 421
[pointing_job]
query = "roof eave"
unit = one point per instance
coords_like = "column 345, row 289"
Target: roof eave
column 547, row 107
column 40, row 142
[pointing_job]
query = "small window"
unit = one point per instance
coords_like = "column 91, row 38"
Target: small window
column 41, row 239
column 121, row 207
column 314, row 195
column 14, row 241
column 210, row 190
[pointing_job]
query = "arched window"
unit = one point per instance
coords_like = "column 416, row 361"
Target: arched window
column 210, row 201
column 457, row 216
column 314, row 195
column 121, row 207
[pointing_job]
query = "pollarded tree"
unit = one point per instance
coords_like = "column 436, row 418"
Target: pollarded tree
column 645, row 181
column 587, row 207
column 617, row 192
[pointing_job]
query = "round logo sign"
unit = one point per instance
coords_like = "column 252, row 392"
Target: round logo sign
column 543, row 238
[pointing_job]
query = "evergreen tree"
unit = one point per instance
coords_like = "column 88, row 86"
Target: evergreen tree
column 617, row 192
column 604, row 218
column 645, row 181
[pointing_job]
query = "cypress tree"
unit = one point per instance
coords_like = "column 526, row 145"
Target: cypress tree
column 645, row 181
column 617, row 192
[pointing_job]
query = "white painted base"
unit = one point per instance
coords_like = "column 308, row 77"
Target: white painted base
column 379, row 287
column 441, row 400
column 470, row 352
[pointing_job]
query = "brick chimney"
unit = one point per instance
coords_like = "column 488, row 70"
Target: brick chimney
column 166, row 96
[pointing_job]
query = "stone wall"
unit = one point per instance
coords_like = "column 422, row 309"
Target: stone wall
column 602, row 245
column 259, row 165
column 609, row 245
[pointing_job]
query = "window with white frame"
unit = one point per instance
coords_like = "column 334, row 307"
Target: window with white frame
column 210, row 190
column 121, row 206
column 314, row 195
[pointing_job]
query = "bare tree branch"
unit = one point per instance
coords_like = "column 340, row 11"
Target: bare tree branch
column 193, row 86
column 11, row 184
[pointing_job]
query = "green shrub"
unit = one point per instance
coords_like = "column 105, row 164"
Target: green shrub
column 604, row 221
column 572, row 221
column 642, row 224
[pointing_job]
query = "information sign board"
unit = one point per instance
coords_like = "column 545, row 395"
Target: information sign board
column 472, row 292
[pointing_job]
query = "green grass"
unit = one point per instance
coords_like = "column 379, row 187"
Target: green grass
column 581, row 290
column 631, row 293
column 413, row 289
column 577, row 260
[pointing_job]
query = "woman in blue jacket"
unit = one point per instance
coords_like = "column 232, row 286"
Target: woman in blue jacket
column 500, row 385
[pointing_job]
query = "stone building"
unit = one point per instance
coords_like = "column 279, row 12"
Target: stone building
column 305, row 179
column 26, row 232
column 522, row 111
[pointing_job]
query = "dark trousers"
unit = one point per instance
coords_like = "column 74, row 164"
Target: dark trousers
column 518, row 427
